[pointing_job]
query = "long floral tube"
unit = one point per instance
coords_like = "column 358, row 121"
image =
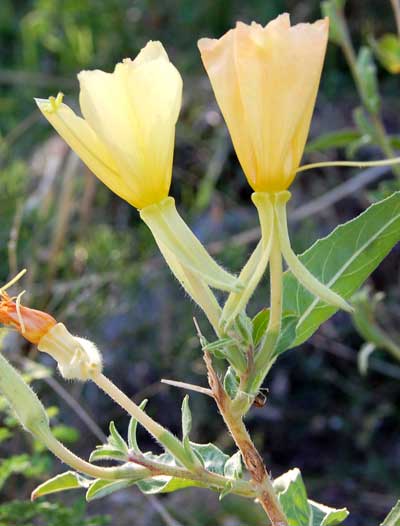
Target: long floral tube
column 170, row 230
column 254, row 269
column 199, row 291
column 302, row 274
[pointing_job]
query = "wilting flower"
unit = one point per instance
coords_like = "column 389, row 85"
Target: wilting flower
column 265, row 80
column 127, row 133
column 32, row 324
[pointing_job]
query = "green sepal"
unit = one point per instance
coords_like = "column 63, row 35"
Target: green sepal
column 170, row 231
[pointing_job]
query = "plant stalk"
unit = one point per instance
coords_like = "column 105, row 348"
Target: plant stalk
column 251, row 457
column 162, row 435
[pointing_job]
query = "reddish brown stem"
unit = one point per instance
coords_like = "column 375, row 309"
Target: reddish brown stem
column 251, row 457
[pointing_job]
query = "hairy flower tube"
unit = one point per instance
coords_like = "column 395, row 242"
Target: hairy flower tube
column 126, row 137
column 265, row 80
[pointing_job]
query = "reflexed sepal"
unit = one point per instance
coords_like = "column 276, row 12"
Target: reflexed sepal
column 255, row 267
column 171, row 231
column 77, row 358
column 302, row 274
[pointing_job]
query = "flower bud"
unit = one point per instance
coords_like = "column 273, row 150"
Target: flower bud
column 32, row 324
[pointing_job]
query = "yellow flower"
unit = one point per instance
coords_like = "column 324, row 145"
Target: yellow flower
column 265, row 80
column 128, row 131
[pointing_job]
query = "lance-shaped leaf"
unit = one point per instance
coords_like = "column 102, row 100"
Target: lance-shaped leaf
column 63, row 482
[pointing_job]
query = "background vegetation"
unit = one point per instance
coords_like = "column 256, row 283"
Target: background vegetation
column 94, row 265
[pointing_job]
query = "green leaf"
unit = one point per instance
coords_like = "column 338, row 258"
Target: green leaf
column 233, row 466
column 393, row 519
column 63, row 482
column 116, row 440
column 335, row 139
column 186, row 417
column 299, row 510
column 132, row 429
column 101, row 488
column 231, row 383
column 288, row 329
column 213, row 459
column 107, row 452
column 343, row 260
column 293, row 498
column 325, row 516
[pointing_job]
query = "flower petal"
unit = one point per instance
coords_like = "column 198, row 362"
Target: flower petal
column 83, row 140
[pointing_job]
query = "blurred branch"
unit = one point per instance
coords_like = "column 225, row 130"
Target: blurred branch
column 8, row 76
column 396, row 11
column 65, row 208
column 343, row 39
column 13, row 240
column 347, row 353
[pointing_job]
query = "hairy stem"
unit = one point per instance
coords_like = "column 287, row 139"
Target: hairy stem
column 162, row 435
column 77, row 463
column 206, row 478
column 251, row 457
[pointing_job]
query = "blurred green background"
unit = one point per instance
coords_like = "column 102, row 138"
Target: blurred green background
column 95, row 267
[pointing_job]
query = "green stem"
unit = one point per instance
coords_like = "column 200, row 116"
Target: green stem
column 206, row 478
column 165, row 437
column 77, row 463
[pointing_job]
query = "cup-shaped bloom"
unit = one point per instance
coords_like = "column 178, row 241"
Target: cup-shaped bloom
column 127, row 133
column 32, row 324
column 265, row 80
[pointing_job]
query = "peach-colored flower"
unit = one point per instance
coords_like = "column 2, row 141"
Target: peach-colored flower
column 32, row 324
column 265, row 80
